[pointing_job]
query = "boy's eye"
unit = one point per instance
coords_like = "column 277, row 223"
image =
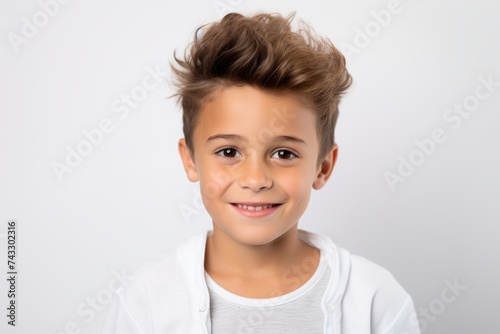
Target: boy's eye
column 284, row 155
column 228, row 153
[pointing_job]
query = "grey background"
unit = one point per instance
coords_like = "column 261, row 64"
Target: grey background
column 123, row 204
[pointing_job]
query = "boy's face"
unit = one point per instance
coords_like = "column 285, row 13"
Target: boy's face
column 255, row 155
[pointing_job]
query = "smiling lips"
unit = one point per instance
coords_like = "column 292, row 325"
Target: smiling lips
column 255, row 209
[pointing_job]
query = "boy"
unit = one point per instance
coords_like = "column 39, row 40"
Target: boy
column 260, row 103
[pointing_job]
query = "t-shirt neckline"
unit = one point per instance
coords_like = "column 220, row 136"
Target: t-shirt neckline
column 279, row 300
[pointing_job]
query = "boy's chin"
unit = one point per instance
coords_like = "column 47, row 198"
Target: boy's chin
column 256, row 236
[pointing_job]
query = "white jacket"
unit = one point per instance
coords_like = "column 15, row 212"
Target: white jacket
column 170, row 295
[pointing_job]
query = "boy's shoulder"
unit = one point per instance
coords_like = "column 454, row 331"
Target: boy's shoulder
column 371, row 274
column 373, row 290
column 172, row 271
column 356, row 269
column 155, row 272
column 168, row 264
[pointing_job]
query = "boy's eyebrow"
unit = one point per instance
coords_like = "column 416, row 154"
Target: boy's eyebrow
column 243, row 139
column 228, row 137
column 290, row 138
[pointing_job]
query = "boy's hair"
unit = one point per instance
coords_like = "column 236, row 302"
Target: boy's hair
column 262, row 51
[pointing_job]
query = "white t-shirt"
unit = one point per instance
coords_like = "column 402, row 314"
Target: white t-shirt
column 170, row 295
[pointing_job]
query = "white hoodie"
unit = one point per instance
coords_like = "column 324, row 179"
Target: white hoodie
column 170, row 295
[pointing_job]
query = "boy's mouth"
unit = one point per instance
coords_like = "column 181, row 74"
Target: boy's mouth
column 255, row 206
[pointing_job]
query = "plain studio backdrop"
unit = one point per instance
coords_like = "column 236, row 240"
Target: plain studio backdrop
column 90, row 170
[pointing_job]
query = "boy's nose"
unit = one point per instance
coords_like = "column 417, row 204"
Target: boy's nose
column 255, row 176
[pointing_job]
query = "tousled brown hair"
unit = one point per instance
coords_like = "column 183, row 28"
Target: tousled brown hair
column 262, row 51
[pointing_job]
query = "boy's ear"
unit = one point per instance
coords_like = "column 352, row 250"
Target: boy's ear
column 325, row 168
column 187, row 161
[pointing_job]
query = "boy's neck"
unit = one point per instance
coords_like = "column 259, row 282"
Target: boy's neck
column 242, row 269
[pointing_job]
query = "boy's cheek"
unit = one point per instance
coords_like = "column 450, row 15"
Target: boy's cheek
column 214, row 183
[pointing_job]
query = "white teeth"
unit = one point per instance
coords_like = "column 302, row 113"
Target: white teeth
column 255, row 208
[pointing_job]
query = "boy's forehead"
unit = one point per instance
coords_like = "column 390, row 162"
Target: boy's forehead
column 237, row 100
column 247, row 110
